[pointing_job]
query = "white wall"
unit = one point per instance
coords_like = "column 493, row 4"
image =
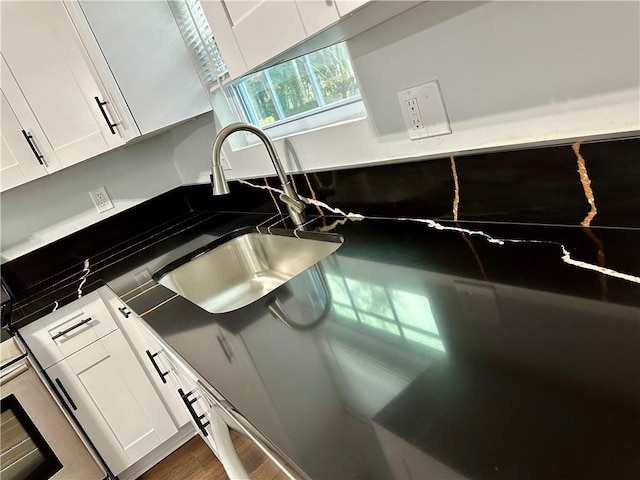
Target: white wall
column 511, row 73
column 49, row 208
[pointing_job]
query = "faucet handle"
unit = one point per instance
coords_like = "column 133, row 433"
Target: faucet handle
column 298, row 206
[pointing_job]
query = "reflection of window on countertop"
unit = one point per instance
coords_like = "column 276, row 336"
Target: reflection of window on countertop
column 394, row 312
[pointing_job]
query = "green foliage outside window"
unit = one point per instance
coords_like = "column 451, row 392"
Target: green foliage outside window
column 333, row 70
column 301, row 85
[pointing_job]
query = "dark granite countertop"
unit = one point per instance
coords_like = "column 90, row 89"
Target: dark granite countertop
column 492, row 349
column 443, row 355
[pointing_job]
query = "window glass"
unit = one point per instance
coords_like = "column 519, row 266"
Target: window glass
column 259, row 98
column 304, row 85
column 301, row 87
column 332, row 68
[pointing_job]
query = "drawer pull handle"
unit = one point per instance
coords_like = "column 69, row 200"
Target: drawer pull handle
column 152, row 359
column 64, row 332
column 197, row 419
column 124, row 311
column 106, row 117
column 29, row 138
column 66, row 394
column 205, row 424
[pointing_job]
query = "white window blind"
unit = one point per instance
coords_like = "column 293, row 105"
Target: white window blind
column 197, row 34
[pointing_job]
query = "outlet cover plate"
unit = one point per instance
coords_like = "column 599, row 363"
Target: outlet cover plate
column 101, row 199
column 433, row 115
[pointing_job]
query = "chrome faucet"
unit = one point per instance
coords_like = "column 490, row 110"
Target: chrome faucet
column 219, row 182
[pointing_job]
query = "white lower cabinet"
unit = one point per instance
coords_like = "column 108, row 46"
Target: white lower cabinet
column 113, row 400
column 150, row 355
column 185, row 398
column 200, row 406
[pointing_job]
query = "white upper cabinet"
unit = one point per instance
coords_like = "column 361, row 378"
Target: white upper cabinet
column 89, row 78
column 26, row 153
column 18, row 163
column 263, row 28
column 317, row 14
column 258, row 30
column 145, row 51
column 347, row 6
column 47, row 60
column 222, row 28
column 255, row 34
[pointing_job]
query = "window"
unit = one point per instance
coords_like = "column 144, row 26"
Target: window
column 388, row 310
column 317, row 82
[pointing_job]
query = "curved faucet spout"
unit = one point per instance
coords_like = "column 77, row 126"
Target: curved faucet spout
column 219, row 183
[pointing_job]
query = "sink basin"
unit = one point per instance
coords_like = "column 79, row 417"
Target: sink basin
column 228, row 275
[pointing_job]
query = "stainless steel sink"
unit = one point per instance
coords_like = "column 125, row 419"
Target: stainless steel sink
column 243, row 269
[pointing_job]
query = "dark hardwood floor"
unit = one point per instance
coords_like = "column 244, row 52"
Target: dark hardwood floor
column 195, row 461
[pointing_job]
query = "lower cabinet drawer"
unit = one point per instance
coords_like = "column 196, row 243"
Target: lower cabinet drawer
column 69, row 329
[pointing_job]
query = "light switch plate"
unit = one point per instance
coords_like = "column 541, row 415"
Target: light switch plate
column 424, row 112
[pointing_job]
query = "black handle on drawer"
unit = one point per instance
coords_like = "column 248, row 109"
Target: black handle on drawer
column 66, row 394
column 104, row 114
column 196, row 418
column 124, row 311
column 64, row 332
column 155, row 365
column 29, row 138
column 223, row 344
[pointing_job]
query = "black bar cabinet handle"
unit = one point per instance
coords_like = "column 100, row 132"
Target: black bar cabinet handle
column 104, row 114
column 29, row 138
column 66, row 394
column 205, row 424
column 155, row 365
column 124, row 311
column 196, row 418
column 73, row 327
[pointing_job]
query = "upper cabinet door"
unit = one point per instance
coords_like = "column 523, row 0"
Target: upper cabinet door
column 221, row 27
column 347, row 6
column 26, row 153
column 145, row 51
column 317, row 14
column 264, row 28
column 18, row 163
column 45, row 55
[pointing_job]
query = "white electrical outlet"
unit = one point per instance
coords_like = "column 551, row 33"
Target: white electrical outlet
column 423, row 111
column 101, row 199
column 415, row 119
